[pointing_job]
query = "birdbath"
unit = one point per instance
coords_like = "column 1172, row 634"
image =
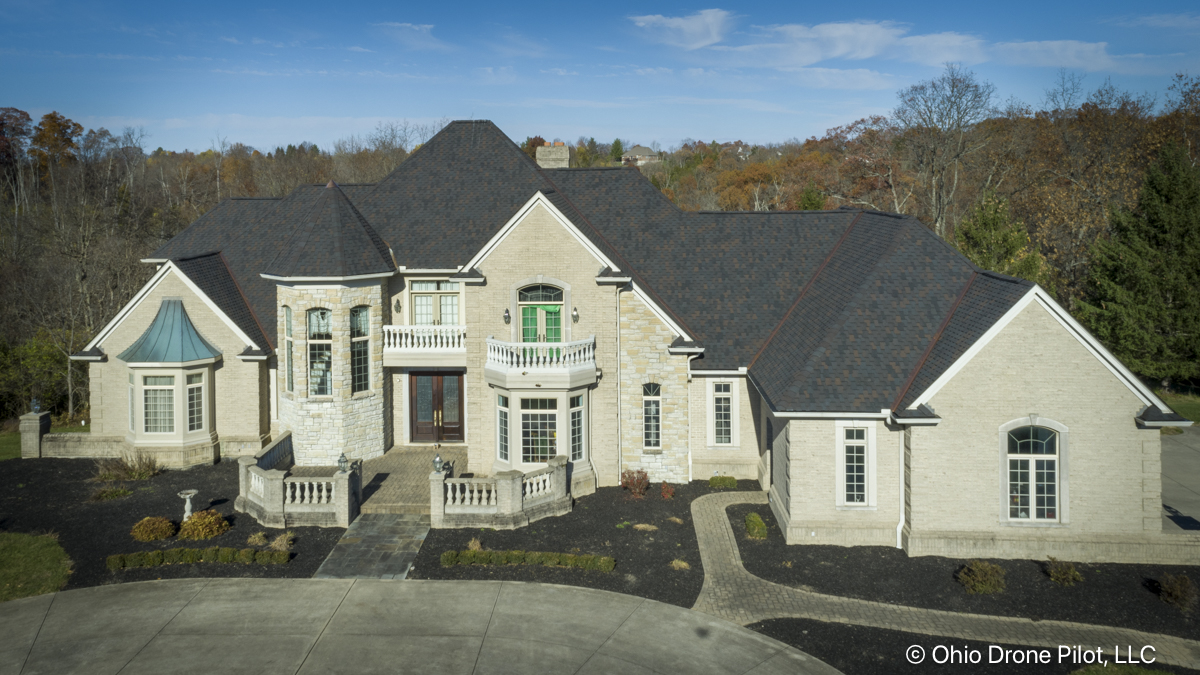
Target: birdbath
column 187, row 508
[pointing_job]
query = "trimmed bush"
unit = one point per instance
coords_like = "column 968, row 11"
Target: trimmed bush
column 499, row 557
column 567, row 559
column 212, row 554
column 980, row 577
column 281, row 557
column 263, row 557
column 637, row 482
column 1062, row 573
column 192, row 555
column 585, row 561
column 116, row 562
column 755, row 527
column 667, row 491
column 227, row 555
column 466, row 557
column 606, row 564
column 173, row 556
column 135, row 559
column 154, row 558
column 245, row 556
column 550, row 559
column 722, row 482
column 516, row 557
column 449, row 558
column 203, row 525
column 152, row 528
column 1178, row 590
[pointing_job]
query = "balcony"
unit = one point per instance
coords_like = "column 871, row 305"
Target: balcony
column 552, row 365
column 425, row 346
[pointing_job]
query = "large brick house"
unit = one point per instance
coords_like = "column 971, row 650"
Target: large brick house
column 881, row 387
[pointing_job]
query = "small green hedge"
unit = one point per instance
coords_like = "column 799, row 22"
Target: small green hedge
column 583, row 561
column 723, row 482
column 755, row 527
column 184, row 556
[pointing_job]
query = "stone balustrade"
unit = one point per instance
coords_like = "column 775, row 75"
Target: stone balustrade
column 535, row 355
column 506, row 501
column 278, row 500
column 425, row 338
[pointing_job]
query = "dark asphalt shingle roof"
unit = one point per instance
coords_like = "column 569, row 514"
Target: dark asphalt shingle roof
column 210, row 272
column 732, row 281
column 331, row 240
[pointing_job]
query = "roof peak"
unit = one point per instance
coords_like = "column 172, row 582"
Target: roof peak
column 331, row 240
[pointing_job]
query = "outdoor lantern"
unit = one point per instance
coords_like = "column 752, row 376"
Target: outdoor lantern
column 507, row 316
column 437, row 464
column 397, row 307
column 343, row 463
column 574, row 315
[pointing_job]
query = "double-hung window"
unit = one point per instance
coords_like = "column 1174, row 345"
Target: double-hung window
column 288, row 347
column 158, row 392
column 576, row 428
column 195, row 401
column 652, row 416
column 320, row 352
column 1033, row 474
column 360, row 349
column 435, row 303
column 854, row 454
column 502, row 426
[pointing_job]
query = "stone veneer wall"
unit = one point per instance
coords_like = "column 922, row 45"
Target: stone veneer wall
column 356, row 424
column 644, row 358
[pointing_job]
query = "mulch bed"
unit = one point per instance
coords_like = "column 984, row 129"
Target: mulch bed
column 878, row 651
column 1109, row 595
column 643, row 558
column 52, row 495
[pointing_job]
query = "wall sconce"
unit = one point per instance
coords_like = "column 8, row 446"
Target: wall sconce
column 507, row 317
column 343, row 464
column 574, row 315
column 397, row 307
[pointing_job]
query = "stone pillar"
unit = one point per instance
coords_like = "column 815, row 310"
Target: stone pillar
column 273, row 506
column 244, row 464
column 558, row 482
column 33, row 427
column 508, row 493
column 345, row 503
column 437, row 498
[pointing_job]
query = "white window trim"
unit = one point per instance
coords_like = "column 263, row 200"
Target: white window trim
column 735, row 396
column 583, row 422
column 187, row 395
column 1064, row 493
column 839, row 438
column 289, row 347
column 660, row 418
column 353, row 340
column 309, row 342
column 505, row 437
column 174, row 387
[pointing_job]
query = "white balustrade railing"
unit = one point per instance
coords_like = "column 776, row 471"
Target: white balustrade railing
column 470, row 492
column 542, row 354
column 537, row 484
column 258, row 485
column 307, row 491
column 425, row 338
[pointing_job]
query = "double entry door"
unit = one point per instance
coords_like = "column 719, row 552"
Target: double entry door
column 436, row 407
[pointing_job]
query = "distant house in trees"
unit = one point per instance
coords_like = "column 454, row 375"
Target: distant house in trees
column 639, row 155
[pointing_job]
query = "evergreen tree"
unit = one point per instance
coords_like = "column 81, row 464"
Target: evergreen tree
column 1144, row 282
column 616, row 150
column 811, row 199
column 991, row 239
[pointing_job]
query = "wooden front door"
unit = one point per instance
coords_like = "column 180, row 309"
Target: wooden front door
column 436, row 412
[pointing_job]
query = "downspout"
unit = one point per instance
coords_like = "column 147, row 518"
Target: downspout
column 689, row 379
column 900, row 525
column 620, row 433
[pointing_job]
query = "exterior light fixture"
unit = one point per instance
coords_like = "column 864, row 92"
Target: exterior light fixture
column 507, row 317
column 343, row 463
column 397, row 307
column 574, row 315
column 437, row 463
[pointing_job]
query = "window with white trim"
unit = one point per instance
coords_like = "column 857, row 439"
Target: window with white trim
column 1033, row 473
column 854, row 454
column 576, row 406
column 360, row 349
column 722, row 413
column 132, row 421
column 158, row 392
column 539, row 429
column 320, row 352
column 855, row 468
column 288, row 347
column 195, row 401
column 651, row 415
column 502, row 426
column 435, row 303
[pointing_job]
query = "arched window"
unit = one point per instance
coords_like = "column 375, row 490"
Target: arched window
column 652, row 415
column 360, row 349
column 541, row 313
column 1034, row 465
column 320, row 352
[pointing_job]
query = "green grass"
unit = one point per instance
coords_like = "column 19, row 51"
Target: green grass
column 1116, row 669
column 1185, row 404
column 31, row 565
column 10, row 442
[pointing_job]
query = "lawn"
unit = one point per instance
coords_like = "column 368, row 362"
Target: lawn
column 1187, row 405
column 31, row 565
column 10, row 441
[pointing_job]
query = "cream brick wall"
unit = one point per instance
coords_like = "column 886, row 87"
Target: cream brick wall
column 742, row 459
column 1035, row 366
column 325, row 427
column 644, row 359
column 540, row 245
column 239, row 399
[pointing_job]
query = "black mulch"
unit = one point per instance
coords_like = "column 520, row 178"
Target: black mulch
column 643, row 558
column 878, row 651
column 52, row 495
column 1109, row 595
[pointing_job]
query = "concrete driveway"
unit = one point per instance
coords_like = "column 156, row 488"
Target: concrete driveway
column 1181, row 481
column 362, row 627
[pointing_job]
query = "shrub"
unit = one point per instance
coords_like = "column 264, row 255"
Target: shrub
column 227, row 555
column 474, row 544
column 637, row 482
column 606, row 564
column 755, row 527
column 109, row 492
column 152, row 528
column 246, row 556
column 283, row 542
column 516, row 557
column 280, row 557
column 583, row 562
column 135, row 559
column 550, row 559
column 257, row 539
column 192, row 555
column 203, row 525
column 499, row 557
column 645, row 527
column 980, row 577
column 567, row 559
column 154, row 558
column 466, row 557
column 173, row 556
column 667, row 491
column 212, row 554
column 129, row 466
column 722, row 482
column 263, row 557
column 1062, row 573
column 678, row 564
column 1178, row 590
column 449, row 558
column 533, row 558
column 116, row 562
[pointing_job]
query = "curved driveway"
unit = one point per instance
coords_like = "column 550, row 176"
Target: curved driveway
column 369, row 626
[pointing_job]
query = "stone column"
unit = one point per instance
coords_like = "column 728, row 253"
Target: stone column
column 273, row 506
column 244, row 464
column 508, row 493
column 33, row 427
column 558, row 481
column 437, row 498
column 344, row 503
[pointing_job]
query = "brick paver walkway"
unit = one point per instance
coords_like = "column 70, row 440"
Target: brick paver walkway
column 732, row 593
column 398, row 482
column 376, row 546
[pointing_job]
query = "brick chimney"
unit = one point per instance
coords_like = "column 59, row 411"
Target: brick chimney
column 556, row 156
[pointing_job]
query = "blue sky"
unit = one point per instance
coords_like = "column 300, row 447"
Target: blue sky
column 266, row 74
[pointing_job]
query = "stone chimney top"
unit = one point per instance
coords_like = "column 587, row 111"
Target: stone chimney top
column 556, row 156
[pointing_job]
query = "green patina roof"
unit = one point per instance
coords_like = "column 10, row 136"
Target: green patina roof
column 171, row 338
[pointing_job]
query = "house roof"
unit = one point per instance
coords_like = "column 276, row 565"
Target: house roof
column 171, row 338
column 639, row 150
column 211, row 273
column 844, row 310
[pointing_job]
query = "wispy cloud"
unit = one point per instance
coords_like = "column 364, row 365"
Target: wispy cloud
column 741, row 103
column 558, row 71
column 704, row 28
column 653, row 71
column 260, row 41
column 231, row 40
column 515, row 45
column 356, row 48
column 1186, row 22
column 1055, row 53
column 417, row 37
column 490, row 75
